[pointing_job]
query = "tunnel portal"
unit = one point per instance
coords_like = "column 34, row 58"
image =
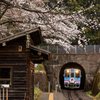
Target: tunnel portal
column 72, row 65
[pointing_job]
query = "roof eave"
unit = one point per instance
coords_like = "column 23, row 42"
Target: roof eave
column 43, row 53
column 24, row 33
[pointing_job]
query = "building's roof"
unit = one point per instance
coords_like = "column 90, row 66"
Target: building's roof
column 38, row 55
column 35, row 34
column 42, row 54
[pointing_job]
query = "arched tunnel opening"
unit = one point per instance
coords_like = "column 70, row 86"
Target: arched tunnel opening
column 72, row 65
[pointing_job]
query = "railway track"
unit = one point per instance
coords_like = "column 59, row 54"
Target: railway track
column 75, row 95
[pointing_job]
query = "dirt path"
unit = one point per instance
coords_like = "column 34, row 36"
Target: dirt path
column 75, row 95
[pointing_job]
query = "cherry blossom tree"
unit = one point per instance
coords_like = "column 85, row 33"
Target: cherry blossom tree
column 58, row 25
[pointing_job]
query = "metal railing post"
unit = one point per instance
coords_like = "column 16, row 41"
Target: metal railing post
column 94, row 48
column 57, row 48
column 48, row 48
column 66, row 50
column 85, row 49
column 38, row 86
column 99, row 49
column 75, row 48
column 56, row 88
column 48, row 86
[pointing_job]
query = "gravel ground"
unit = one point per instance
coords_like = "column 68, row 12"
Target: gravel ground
column 75, row 95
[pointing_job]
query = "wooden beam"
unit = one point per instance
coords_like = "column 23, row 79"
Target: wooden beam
column 0, row 94
column 28, row 40
column 20, row 34
column 37, row 61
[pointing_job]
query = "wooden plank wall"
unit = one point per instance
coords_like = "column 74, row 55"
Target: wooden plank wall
column 9, row 56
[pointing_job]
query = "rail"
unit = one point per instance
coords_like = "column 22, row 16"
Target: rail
column 4, row 97
column 72, row 49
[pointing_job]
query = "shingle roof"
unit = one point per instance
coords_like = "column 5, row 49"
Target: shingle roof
column 36, row 37
column 35, row 50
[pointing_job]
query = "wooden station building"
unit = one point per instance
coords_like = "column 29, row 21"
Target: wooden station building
column 18, row 53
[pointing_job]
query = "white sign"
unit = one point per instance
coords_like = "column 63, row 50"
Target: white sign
column 5, row 85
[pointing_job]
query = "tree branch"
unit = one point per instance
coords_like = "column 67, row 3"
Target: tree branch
column 31, row 10
column 3, row 12
column 9, row 21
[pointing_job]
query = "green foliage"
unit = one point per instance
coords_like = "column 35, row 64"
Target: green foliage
column 39, row 67
column 95, row 88
column 89, row 93
column 54, row 1
column 93, row 13
column 37, row 91
column 98, row 86
column 97, row 97
column 55, row 91
column 77, row 8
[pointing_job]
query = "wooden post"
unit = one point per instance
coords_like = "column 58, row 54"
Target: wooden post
column 28, row 75
column 3, row 93
column 6, row 93
column 0, row 94
column 28, row 40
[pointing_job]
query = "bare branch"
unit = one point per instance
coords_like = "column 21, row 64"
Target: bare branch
column 9, row 21
column 31, row 10
column 3, row 12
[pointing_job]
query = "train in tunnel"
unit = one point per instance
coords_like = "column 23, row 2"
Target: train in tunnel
column 72, row 78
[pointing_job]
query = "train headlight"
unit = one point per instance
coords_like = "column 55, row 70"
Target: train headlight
column 67, row 70
column 77, row 71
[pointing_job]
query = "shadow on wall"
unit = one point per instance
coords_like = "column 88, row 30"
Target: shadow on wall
column 72, row 65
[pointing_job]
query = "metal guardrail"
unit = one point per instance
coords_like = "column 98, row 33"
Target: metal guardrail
column 72, row 49
column 46, row 87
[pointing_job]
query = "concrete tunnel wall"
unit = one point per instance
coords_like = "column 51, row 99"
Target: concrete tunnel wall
column 87, row 62
column 72, row 65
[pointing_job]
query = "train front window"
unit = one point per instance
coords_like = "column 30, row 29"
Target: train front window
column 77, row 75
column 72, row 74
column 66, row 74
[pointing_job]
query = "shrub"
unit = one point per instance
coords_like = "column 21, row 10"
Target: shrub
column 39, row 67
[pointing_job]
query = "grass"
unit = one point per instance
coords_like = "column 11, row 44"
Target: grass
column 90, row 95
column 55, row 92
column 39, row 67
column 37, row 91
column 97, row 97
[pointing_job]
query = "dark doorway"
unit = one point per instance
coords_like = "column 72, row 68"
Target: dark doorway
column 72, row 65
